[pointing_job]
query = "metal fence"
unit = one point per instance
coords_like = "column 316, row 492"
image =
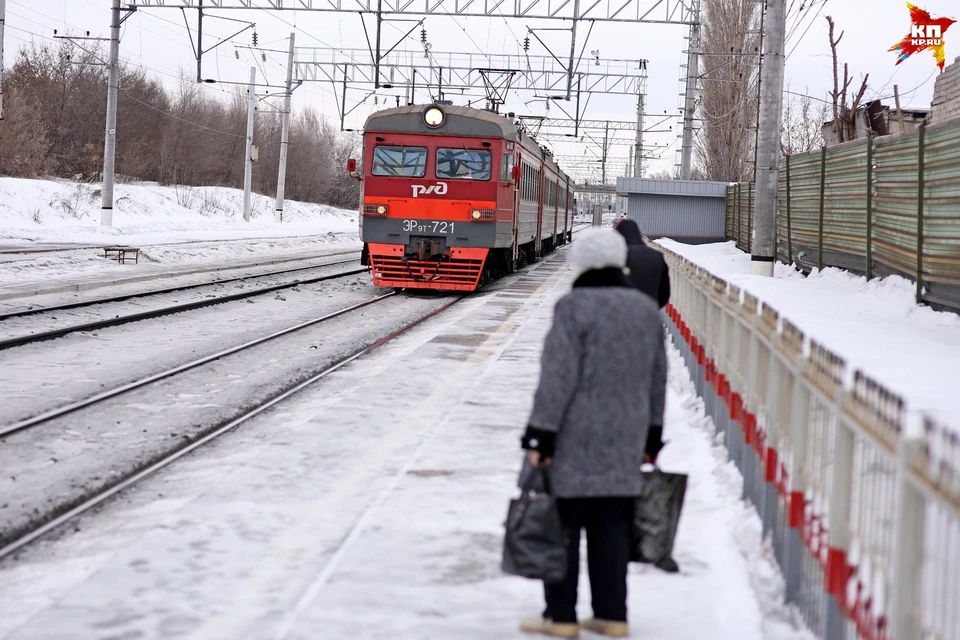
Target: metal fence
column 877, row 206
column 865, row 521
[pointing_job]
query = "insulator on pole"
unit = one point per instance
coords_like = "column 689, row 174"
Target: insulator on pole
column 423, row 36
column 526, row 43
column 255, row 38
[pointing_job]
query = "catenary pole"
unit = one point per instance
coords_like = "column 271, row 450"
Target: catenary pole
column 690, row 93
column 110, row 138
column 284, row 136
column 768, row 145
column 638, row 145
column 3, row 13
column 248, row 162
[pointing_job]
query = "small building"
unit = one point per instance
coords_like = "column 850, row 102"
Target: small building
column 688, row 211
column 881, row 119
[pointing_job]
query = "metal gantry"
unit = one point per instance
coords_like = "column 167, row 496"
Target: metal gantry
column 544, row 75
column 540, row 74
column 680, row 12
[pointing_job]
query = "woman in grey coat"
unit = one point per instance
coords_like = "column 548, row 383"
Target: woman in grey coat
column 597, row 414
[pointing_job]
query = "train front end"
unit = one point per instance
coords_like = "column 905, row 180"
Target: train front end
column 434, row 203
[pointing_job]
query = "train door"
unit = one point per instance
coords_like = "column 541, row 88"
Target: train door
column 541, row 195
column 516, row 212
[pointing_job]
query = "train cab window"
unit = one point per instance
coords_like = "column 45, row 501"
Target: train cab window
column 506, row 167
column 464, row 164
column 406, row 162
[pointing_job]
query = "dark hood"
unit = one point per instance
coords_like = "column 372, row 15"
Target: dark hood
column 606, row 277
column 630, row 231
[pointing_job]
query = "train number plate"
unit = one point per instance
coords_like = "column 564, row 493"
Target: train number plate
column 428, row 226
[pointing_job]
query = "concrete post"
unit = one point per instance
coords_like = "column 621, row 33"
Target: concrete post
column 110, row 139
column 3, row 13
column 690, row 95
column 248, row 159
column 768, row 146
column 284, row 137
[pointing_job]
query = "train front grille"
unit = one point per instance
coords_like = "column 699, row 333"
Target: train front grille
column 450, row 273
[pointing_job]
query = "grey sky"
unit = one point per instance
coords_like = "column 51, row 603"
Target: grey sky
column 157, row 40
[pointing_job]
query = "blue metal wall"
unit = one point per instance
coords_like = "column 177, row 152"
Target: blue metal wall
column 684, row 210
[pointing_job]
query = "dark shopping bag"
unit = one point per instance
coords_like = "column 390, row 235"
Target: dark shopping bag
column 656, row 515
column 534, row 544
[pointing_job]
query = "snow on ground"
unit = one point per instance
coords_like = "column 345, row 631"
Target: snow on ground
column 875, row 326
column 372, row 506
column 183, row 226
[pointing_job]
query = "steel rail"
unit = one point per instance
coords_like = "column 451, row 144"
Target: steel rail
column 156, row 292
column 130, row 480
column 130, row 386
column 158, row 313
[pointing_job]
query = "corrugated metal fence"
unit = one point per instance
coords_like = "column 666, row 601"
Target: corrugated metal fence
column 877, row 206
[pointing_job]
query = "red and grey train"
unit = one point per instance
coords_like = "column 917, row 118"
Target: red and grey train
column 455, row 196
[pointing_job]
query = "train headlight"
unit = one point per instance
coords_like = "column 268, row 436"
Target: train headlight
column 433, row 117
column 475, row 214
column 382, row 209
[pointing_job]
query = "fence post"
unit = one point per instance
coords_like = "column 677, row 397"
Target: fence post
column 869, row 269
column 909, row 520
column 751, row 191
column 923, row 130
column 838, row 530
column 736, row 228
column 789, row 236
column 797, row 501
column 823, row 182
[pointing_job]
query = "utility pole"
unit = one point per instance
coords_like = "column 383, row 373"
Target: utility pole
column 638, row 145
column 199, row 38
column 690, row 93
column 768, row 145
column 110, row 139
column 756, row 133
column 284, row 136
column 3, row 13
column 603, row 166
column 248, row 163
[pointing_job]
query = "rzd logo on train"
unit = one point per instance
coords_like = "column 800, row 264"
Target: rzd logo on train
column 440, row 188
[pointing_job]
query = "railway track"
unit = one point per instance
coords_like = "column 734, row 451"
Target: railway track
column 164, row 311
column 21, row 539
column 175, row 289
column 16, row 540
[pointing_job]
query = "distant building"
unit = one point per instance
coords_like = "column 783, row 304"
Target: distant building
column 688, row 211
column 881, row 119
column 946, row 94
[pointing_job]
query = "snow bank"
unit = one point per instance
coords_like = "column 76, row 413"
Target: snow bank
column 176, row 228
column 875, row 326
column 33, row 211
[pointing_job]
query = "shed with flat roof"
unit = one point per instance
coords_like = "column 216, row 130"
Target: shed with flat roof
column 689, row 211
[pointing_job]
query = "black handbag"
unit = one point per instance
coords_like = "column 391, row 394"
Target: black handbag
column 534, row 545
column 656, row 516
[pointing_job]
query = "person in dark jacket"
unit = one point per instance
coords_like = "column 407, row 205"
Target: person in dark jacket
column 599, row 400
column 648, row 269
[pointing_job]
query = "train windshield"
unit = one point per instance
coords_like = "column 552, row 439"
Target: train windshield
column 407, row 162
column 467, row 164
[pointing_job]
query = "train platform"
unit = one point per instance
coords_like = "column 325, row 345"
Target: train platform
column 372, row 506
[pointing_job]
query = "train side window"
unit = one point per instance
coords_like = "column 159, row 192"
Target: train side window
column 406, row 162
column 464, row 164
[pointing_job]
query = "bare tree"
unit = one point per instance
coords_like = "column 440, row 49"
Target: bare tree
column 802, row 125
column 844, row 117
column 728, row 98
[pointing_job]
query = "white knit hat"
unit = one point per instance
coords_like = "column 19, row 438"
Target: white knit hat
column 597, row 248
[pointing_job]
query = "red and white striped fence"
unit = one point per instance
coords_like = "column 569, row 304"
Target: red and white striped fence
column 865, row 521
